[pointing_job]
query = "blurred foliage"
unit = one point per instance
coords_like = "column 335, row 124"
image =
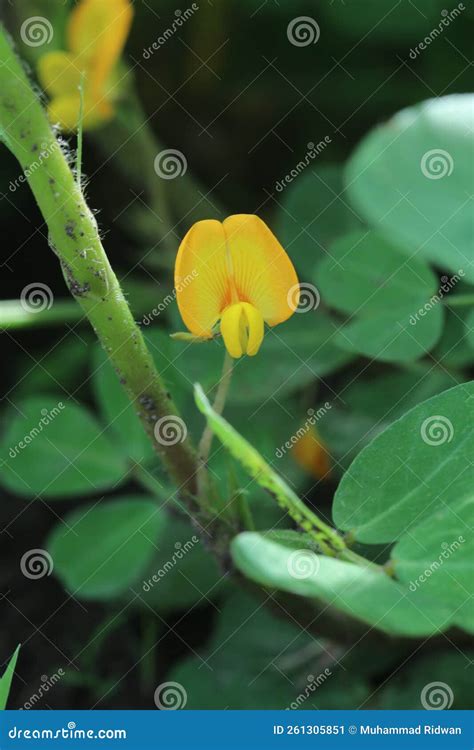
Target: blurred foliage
column 243, row 105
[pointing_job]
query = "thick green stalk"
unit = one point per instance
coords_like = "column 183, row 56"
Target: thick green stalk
column 75, row 239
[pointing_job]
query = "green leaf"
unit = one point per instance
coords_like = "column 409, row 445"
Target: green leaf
column 314, row 212
column 412, row 178
column 56, row 449
column 256, row 466
column 382, row 292
column 470, row 329
column 444, row 679
column 364, row 593
column 454, row 349
column 276, row 671
column 420, row 463
column 6, row 679
column 99, row 551
column 292, row 355
column 436, row 555
column 182, row 573
column 373, row 403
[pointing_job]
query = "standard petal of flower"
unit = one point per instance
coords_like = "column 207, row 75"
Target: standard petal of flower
column 59, row 73
column 263, row 272
column 97, row 33
column 202, row 277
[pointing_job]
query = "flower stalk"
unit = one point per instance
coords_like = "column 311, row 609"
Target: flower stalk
column 74, row 237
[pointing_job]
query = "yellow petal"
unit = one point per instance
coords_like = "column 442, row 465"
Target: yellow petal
column 231, row 329
column 264, row 275
column 58, row 73
column 242, row 329
column 64, row 110
column 254, row 328
column 239, row 260
column 97, row 33
column 201, row 277
column 311, row 454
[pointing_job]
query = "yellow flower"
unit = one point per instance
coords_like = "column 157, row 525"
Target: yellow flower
column 96, row 34
column 239, row 275
column 311, row 454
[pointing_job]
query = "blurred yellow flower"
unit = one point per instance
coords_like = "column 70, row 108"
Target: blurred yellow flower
column 242, row 278
column 311, row 454
column 96, row 34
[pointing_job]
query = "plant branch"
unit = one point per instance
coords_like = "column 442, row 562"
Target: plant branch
column 74, row 237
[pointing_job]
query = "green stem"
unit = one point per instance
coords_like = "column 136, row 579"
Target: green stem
column 460, row 300
column 14, row 315
column 205, row 443
column 74, row 237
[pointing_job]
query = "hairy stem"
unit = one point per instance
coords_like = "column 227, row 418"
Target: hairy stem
column 74, row 237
